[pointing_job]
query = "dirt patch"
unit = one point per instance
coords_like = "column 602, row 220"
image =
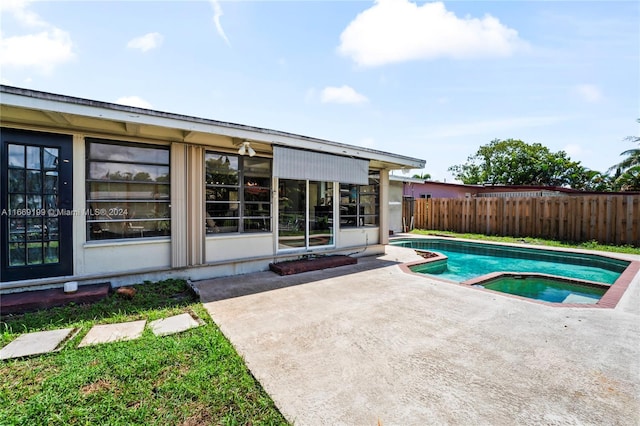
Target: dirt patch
column 100, row 385
column 199, row 419
column 426, row 254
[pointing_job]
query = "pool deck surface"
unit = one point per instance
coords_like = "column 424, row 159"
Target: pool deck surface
column 369, row 343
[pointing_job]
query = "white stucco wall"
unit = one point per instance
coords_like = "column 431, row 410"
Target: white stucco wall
column 395, row 206
column 123, row 256
column 355, row 237
column 236, row 247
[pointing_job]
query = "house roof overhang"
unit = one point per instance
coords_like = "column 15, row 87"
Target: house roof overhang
column 31, row 107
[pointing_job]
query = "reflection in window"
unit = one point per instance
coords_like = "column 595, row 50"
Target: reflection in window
column 128, row 190
column 360, row 204
column 237, row 193
column 32, row 191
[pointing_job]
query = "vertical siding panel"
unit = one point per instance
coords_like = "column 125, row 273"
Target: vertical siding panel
column 561, row 219
column 545, row 217
column 636, row 220
column 506, row 216
column 593, row 216
column 609, row 220
column 554, row 218
column 586, row 218
column 577, row 212
column 468, row 209
column 518, row 211
column 629, row 225
column 533, row 218
column 619, row 220
column 601, row 222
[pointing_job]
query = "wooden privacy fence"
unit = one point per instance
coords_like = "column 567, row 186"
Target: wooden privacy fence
column 609, row 219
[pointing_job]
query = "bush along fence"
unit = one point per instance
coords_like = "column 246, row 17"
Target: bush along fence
column 608, row 219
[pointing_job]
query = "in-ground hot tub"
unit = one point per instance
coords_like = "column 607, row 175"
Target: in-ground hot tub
column 543, row 287
column 551, row 276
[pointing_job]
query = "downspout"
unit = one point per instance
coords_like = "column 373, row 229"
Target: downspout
column 383, row 238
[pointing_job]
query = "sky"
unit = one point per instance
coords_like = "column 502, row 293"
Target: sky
column 430, row 80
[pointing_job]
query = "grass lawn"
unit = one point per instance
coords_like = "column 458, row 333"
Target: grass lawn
column 190, row 378
column 590, row 245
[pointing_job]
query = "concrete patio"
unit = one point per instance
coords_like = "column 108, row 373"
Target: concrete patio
column 368, row 343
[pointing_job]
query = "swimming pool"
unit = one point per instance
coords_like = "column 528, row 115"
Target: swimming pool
column 552, row 276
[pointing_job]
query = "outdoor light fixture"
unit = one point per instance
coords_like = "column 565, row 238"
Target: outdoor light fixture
column 245, row 148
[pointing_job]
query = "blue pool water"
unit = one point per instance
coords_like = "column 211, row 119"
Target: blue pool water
column 470, row 260
column 546, row 289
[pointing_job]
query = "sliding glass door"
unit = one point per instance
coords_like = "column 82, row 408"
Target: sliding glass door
column 305, row 214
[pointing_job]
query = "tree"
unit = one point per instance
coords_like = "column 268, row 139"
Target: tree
column 629, row 180
column 628, row 170
column 425, row 176
column 593, row 180
column 514, row 162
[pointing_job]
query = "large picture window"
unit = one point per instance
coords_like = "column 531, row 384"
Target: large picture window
column 238, row 193
column 128, row 190
column 360, row 204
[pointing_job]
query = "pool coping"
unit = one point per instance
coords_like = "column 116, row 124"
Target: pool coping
column 609, row 300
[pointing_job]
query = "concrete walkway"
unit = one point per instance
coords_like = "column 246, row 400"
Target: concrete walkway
column 366, row 343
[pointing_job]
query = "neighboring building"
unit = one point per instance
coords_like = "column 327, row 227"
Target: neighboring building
column 428, row 189
column 95, row 192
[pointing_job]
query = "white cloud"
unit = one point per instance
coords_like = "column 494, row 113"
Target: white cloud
column 20, row 12
column 146, row 42
column 394, row 31
column 341, row 95
column 134, row 101
column 43, row 49
column 217, row 14
column 588, row 92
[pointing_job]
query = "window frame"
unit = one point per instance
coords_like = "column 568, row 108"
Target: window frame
column 352, row 200
column 219, row 225
column 101, row 214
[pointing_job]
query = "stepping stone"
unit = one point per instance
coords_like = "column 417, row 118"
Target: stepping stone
column 172, row 325
column 108, row 333
column 36, row 343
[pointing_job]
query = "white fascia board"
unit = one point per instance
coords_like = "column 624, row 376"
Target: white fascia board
column 406, row 179
column 115, row 112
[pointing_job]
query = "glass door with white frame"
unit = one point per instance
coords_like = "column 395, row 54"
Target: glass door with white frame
column 305, row 214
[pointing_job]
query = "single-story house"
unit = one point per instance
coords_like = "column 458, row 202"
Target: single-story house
column 95, row 191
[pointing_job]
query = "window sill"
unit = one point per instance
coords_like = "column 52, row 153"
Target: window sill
column 126, row 241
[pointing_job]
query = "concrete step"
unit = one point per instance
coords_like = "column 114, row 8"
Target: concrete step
column 28, row 301
column 313, row 264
